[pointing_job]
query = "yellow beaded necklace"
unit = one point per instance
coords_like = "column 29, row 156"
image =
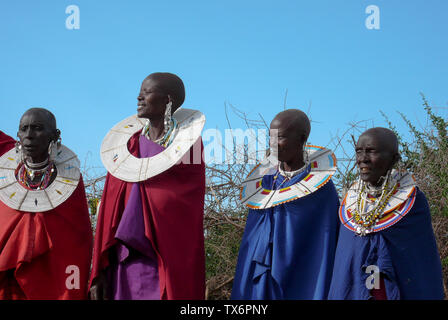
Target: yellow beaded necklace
column 366, row 220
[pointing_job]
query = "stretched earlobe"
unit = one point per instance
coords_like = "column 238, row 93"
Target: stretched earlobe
column 306, row 158
column 397, row 159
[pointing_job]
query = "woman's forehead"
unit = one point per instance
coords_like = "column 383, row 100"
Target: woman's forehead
column 36, row 117
column 150, row 83
column 285, row 126
column 373, row 140
column 33, row 117
column 282, row 123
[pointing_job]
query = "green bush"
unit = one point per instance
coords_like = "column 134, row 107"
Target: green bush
column 426, row 157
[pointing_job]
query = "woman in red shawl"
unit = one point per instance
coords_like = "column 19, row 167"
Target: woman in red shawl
column 149, row 241
column 45, row 232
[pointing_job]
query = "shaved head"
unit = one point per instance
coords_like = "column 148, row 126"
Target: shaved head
column 289, row 132
column 49, row 117
column 37, row 129
column 171, row 85
column 388, row 139
column 376, row 154
column 295, row 120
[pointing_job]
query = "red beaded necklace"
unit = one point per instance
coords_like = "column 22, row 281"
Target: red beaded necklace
column 26, row 176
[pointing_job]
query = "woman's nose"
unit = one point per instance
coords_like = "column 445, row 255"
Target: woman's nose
column 361, row 156
column 29, row 132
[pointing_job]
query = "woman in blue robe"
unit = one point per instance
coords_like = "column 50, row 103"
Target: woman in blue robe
column 386, row 248
column 289, row 242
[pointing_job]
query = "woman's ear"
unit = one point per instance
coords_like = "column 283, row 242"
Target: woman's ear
column 304, row 138
column 397, row 157
column 57, row 135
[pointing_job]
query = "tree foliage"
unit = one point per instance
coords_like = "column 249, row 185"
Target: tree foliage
column 426, row 156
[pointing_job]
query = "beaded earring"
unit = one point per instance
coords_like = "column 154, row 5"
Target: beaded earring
column 53, row 149
column 18, row 147
column 306, row 159
column 167, row 119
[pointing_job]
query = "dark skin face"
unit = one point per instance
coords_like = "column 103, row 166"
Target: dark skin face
column 152, row 100
column 36, row 130
column 375, row 155
column 289, row 142
column 152, row 103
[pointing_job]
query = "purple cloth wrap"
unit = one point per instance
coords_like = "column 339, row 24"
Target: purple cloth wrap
column 133, row 272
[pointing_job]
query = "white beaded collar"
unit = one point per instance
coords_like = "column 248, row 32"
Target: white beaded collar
column 254, row 196
column 16, row 196
column 399, row 204
column 120, row 163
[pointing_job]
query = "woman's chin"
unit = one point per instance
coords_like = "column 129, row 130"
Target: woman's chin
column 141, row 115
column 34, row 158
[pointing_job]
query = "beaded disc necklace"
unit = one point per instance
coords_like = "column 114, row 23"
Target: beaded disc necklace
column 290, row 174
column 35, row 179
column 52, row 185
column 321, row 163
column 366, row 209
column 369, row 209
column 167, row 137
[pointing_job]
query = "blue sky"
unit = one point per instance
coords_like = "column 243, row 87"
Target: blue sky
column 244, row 53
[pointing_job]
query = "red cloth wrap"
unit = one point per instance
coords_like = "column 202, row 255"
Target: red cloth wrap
column 173, row 207
column 6, row 143
column 37, row 248
column 379, row 294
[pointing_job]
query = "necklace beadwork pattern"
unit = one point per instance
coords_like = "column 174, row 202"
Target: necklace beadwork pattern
column 120, row 163
column 290, row 174
column 26, row 176
column 365, row 219
column 18, row 193
column 322, row 165
column 167, row 138
column 364, row 213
